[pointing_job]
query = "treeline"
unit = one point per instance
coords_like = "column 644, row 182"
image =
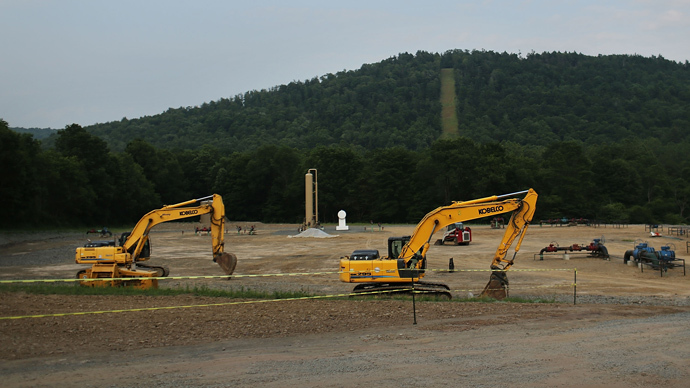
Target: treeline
column 81, row 182
column 537, row 99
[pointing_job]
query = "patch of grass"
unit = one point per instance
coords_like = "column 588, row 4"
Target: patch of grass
column 242, row 293
column 76, row 289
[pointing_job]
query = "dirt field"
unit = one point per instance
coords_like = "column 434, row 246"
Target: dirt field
column 628, row 328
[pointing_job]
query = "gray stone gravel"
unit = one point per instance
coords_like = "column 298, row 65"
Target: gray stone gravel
column 58, row 248
column 650, row 300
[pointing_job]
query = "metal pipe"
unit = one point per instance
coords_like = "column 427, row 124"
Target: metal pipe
column 512, row 194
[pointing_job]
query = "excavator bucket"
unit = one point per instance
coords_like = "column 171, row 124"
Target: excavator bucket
column 497, row 287
column 227, row 261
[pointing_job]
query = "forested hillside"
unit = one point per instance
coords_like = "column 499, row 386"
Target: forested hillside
column 597, row 137
column 532, row 100
column 560, row 96
column 392, row 103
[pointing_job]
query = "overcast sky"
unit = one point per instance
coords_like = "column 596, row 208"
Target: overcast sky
column 93, row 61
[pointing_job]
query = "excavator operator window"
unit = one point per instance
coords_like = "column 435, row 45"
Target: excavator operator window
column 146, row 250
column 396, row 244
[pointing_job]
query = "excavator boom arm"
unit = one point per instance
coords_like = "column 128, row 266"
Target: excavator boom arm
column 140, row 234
column 462, row 211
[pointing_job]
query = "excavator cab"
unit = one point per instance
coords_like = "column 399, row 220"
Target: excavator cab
column 396, row 244
column 145, row 250
column 406, row 269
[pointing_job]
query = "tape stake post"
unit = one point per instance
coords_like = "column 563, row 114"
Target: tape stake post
column 414, row 305
column 574, row 286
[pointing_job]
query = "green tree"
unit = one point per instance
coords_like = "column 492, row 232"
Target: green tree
column 231, row 181
column 265, row 184
column 387, row 195
column 162, row 168
column 567, row 181
column 454, row 164
column 18, row 173
column 75, row 141
column 67, row 197
column 135, row 194
column 339, row 178
column 100, row 166
column 198, row 169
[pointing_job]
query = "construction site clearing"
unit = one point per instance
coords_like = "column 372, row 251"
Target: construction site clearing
column 607, row 322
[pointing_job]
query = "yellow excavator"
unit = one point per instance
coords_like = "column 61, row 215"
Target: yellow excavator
column 405, row 265
column 122, row 258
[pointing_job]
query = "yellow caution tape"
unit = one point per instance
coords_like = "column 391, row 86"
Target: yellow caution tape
column 410, row 289
column 161, row 278
column 201, row 305
column 257, row 275
column 499, row 270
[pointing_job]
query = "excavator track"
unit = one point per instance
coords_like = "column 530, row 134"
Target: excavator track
column 426, row 288
column 162, row 271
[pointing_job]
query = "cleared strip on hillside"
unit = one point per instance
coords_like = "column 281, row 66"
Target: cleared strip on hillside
column 449, row 117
